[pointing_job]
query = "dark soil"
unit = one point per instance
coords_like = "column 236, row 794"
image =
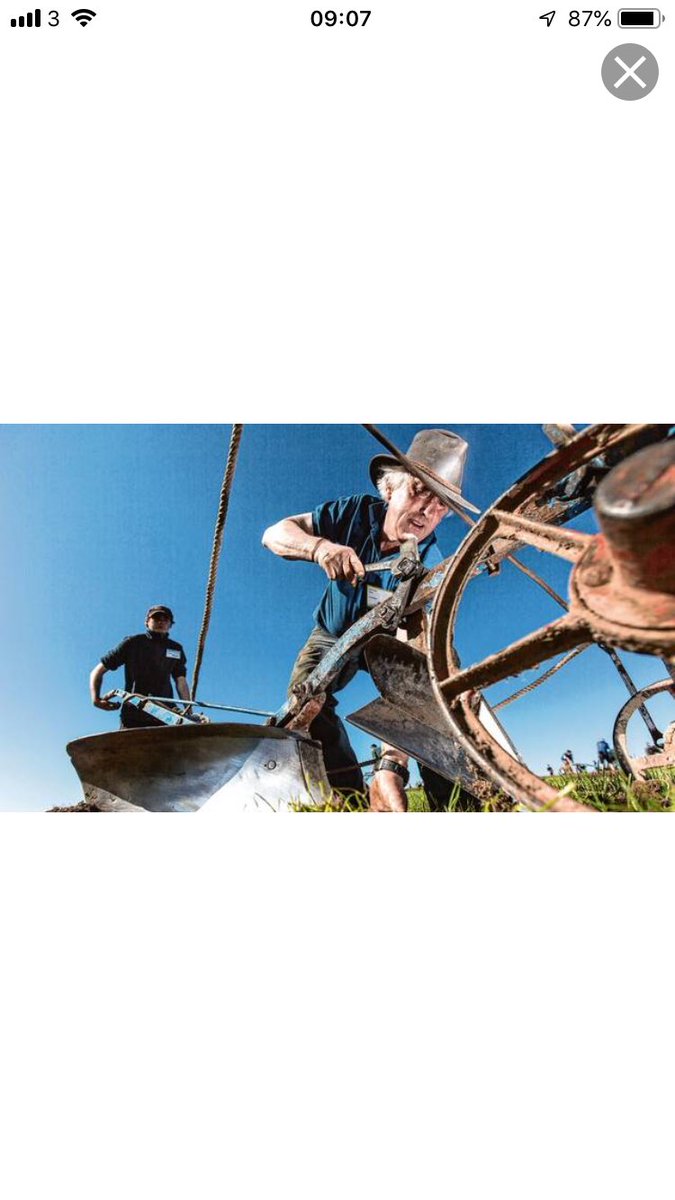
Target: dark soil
column 83, row 806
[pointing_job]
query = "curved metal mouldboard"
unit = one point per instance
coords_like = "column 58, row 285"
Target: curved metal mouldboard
column 227, row 767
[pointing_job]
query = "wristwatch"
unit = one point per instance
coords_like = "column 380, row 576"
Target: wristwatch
column 390, row 764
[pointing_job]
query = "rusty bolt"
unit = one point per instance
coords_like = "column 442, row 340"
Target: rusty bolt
column 597, row 575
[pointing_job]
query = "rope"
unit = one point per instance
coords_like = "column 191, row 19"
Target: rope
column 542, row 678
column 217, row 546
column 538, row 580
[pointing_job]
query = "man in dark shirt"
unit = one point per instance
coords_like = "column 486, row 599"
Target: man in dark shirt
column 342, row 537
column 151, row 661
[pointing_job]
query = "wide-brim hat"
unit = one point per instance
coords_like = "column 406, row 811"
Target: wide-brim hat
column 437, row 457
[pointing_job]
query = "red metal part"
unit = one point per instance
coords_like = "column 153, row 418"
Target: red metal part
column 566, row 543
column 632, row 617
column 545, row 643
column 635, row 506
column 614, row 617
column 624, row 585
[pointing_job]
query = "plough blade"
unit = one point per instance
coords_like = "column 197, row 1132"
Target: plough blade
column 392, row 724
column 408, row 716
column 228, row 767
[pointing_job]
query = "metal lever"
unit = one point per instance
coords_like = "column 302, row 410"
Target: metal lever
column 384, row 618
column 405, row 565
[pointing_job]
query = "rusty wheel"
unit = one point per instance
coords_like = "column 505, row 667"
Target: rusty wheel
column 622, row 588
column 628, row 764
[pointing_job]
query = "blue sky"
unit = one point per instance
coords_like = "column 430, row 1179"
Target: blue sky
column 97, row 522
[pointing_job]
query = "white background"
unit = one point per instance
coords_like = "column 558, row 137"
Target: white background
column 225, row 211
column 218, row 212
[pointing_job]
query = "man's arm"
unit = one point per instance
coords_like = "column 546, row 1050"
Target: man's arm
column 95, row 680
column 183, row 688
column 294, row 538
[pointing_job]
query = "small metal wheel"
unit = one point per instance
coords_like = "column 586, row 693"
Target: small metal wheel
column 620, row 734
column 622, row 587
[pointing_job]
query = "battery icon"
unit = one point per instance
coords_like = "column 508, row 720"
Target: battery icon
column 639, row 18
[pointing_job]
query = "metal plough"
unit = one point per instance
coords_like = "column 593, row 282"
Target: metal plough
column 622, row 596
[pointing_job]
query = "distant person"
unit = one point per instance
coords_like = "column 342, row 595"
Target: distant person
column 567, row 763
column 549, row 770
column 151, row 661
column 605, row 754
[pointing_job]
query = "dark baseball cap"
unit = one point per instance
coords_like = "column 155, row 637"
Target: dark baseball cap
column 157, row 609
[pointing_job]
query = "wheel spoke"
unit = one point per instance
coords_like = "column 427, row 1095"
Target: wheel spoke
column 565, row 543
column 536, row 648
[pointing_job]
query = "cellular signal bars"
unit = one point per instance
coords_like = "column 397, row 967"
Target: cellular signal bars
column 31, row 20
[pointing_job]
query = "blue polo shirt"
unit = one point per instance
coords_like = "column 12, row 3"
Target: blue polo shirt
column 356, row 521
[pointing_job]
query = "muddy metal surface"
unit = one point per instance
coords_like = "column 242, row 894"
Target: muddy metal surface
column 409, row 717
column 638, row 766
column 622, row 587
column 229, row 767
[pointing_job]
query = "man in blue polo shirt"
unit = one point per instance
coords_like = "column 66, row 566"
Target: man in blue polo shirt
column 342, row 537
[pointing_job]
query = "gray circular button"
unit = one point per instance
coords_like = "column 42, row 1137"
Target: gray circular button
column 630, row 71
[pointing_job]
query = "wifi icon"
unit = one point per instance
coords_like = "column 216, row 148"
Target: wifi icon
column 83, row 15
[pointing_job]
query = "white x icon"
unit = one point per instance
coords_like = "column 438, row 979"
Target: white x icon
column 630, row 71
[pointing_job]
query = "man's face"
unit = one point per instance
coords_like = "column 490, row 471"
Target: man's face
column 158, row 623
column 414, row 510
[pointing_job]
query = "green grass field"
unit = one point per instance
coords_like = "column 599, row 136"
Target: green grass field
column 610, row 791
column 607, row 791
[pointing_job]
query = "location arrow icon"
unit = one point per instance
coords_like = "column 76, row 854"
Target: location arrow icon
column 547, row 17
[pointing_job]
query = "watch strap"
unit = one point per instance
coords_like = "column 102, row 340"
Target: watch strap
column 390, row 764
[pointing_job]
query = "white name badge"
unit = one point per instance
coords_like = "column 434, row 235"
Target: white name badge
column 375, row 595
column 173, row 654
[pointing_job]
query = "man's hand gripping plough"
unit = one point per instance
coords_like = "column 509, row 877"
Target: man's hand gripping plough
column 308, row 697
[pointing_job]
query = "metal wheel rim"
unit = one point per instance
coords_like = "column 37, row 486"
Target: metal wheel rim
column 505, row 771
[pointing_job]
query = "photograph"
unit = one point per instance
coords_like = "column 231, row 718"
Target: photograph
column 339, row 618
